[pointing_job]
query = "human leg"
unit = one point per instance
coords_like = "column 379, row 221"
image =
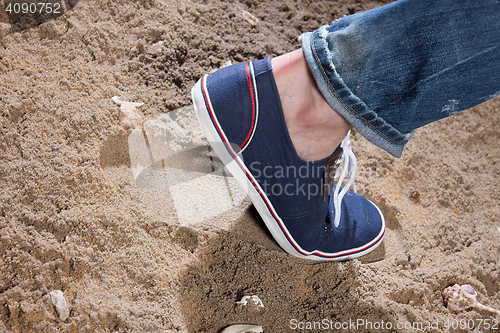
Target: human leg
column 241, row 114
column 315, row 129
column 398, row 67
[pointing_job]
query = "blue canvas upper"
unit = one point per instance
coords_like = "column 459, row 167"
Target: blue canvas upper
column 247, row 114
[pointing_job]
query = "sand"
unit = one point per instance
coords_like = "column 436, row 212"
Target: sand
column 83, row 210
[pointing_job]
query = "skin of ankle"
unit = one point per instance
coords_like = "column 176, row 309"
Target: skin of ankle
column 315, row 128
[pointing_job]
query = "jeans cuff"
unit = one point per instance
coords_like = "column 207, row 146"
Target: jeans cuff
column 340, row 97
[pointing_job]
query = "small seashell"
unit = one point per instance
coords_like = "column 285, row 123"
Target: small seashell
column 242, row 329
column 59, row 302
column 256, row 300
column 459, row 298
column 156, row 48
column 250, row 18
column 415, row 195
column 129, row 118
column 226, row 64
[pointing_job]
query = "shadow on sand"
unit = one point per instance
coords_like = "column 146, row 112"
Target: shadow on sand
column 246, row 261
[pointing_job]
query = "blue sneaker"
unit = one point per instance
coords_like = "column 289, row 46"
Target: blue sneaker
column 240, row 112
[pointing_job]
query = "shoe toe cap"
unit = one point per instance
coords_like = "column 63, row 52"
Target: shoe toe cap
column 360, row 230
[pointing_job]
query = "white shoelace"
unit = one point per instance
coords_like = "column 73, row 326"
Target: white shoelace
column 350, row 165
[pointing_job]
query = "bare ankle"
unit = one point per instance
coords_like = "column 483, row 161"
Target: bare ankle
column 315, row 128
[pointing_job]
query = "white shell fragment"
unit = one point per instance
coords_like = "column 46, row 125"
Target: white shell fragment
column 458, row 298
column 256, row 300
column 156, row 48
column 59, row 302
column 250, row 18
column 242, row 329
column 129, row 118
column 229, row 63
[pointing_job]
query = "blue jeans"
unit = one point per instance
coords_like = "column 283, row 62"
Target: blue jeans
column 401, row 66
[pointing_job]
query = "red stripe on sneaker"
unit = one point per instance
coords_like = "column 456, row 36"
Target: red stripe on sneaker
column 263, row 196
column 252, row 96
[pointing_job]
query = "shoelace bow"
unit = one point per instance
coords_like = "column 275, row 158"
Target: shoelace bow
column 350, row 166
